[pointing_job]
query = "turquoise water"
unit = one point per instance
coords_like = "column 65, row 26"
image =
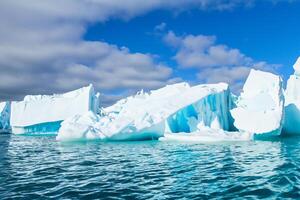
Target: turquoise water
column 39, row 167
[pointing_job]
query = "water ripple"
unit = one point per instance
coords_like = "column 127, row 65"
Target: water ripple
column 41, row 168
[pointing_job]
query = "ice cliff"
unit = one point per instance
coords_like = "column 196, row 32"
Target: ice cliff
column 260, row 106
column 292, row 102
column 4, row 117
column 44, row 113
column 177, row 108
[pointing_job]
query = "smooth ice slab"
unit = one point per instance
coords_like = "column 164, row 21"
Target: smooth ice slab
column 207, row 135
column 44, row 113
column 174, row 108
column 4, row 117
column 260, row 106
column 292, row 103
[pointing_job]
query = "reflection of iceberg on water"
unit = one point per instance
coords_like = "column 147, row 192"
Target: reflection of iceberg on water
column 267, row 155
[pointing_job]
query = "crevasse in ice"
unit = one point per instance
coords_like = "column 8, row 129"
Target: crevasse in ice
column 260, row 106
column 44, row 113
column 292, row 102
column 4, row 117
column 176, row 108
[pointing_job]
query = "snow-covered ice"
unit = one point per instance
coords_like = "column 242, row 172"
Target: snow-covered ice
column 207, row 135
column 4, row 117
column 44, row 113
column 292, row 102
column 174, row 108
column 260, row 106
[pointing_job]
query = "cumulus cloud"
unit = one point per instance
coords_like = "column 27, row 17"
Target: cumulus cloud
column 65, row 66
column 43, row 51
column 201, row 51
column 160, row 27
column 214, row 62
column 234, row 76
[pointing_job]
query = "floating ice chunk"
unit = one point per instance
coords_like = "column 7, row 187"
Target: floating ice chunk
column 292, row 103
column 207, row 135
column 260, row 106
column 80, row 126
column 44, row 113
column 4, row 117
column 90, row 127
column 174, row 108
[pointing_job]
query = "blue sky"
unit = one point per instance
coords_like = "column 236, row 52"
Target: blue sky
column 268, row 32
column 122, row 47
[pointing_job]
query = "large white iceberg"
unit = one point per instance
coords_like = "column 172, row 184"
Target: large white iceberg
column 44, row 113
column 292, row 102
column 4, row 117
column 260, row 106
column 174, row 109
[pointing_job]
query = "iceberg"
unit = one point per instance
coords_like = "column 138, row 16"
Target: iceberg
column 260, row 107
column 4, row 117
column 44, row 113
column 292, row 102
column 174, row 109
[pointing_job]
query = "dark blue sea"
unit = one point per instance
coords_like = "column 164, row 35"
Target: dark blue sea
column 35, row 167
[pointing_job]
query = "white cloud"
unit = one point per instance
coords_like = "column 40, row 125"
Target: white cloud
column 201, row 51
column 43, row 51
column 234, row 76
column 214, row 62
column 61, row 67
column 160, row 27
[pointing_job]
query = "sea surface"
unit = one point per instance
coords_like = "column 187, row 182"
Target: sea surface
column 35, row 167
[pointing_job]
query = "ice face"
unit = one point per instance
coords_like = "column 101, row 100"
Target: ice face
column 44, row 113
column 260, row 106
column 210, row 111
column 4, row 117
column 80, row 127
column 292, row 103
column 297, row 67
column 174, row 108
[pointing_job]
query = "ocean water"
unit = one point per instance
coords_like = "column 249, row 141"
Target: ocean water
column 41, row 168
